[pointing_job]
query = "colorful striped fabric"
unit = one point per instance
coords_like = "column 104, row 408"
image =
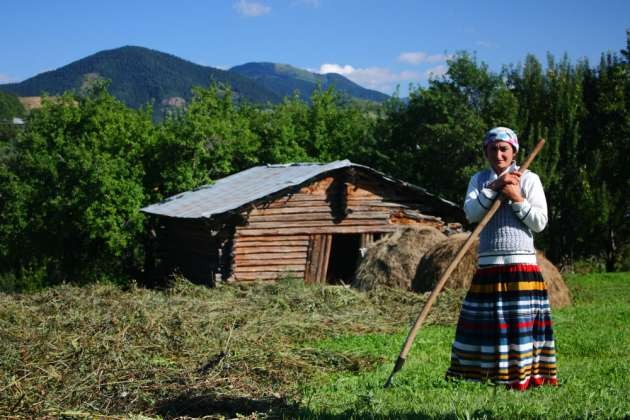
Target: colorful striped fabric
column 504, row 333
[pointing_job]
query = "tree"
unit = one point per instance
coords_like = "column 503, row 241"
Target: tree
column 72, row 189
column 10, row 108
column 551, row 106
column 435, row 141
column 281, row 130
column 607, row 129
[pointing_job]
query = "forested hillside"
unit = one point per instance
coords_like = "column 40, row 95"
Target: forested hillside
column 140, row 76
column 286, row 80
column 73, row 180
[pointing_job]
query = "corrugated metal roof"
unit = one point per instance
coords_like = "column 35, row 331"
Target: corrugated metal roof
column 244, row 187
column 236, row 190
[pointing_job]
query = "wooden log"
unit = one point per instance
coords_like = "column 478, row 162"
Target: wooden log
column 316, row 216
column 366, row 240
column 264, row 276
column 320, row 257
column 304, row 197
column 270, row 248
column 290, row 210
column 314, row 223
column 270, row 268
column 318, row 186
column 322, row 229
column 355, row 206
column 324, row 261
column 263, row 244
column 315, row 263
column 374, row 203
column 310, row 275
column 362, row 194
column 324, row 201
column 269, row 256
column 277, row 238
column 296, row 204
column 269, row 263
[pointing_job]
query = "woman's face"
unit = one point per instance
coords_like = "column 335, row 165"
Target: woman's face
column 500, row 155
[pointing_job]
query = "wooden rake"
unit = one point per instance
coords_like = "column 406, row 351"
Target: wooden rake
column 460, row 254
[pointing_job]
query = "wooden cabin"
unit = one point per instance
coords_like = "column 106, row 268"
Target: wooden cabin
column 305, row 220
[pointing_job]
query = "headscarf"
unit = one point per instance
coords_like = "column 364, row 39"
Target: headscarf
column 501, row 134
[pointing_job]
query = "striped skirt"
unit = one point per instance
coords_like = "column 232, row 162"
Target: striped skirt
column 504, row 333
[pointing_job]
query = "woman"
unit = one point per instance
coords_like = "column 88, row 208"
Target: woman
column 504, row 333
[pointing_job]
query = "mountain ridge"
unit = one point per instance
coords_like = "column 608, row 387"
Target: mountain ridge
column 285, row 79
column 139, row 76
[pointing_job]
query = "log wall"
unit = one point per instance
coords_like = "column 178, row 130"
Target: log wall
column 291, row 234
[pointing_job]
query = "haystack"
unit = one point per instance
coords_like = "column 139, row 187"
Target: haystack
column 559, row 295
column 393, row 260
column 436, row 260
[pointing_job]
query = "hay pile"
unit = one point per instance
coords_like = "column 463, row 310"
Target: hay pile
column 393, row 260
column 191, row 351
column 559, row 295
column 436, row 260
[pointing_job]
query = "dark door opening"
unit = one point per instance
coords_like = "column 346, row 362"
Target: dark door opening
column 344, row 258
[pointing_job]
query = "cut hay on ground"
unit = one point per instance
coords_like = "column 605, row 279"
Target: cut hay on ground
column 190, row 351
column 436, row 260
column 393, row 260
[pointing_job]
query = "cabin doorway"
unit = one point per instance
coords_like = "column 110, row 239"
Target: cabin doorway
column 344, row 258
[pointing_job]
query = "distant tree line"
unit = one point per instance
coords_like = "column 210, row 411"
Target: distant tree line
column 10, row 108
column 73, row 179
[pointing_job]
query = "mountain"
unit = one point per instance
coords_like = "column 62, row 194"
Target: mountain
column 284, row 80
column 138, row 76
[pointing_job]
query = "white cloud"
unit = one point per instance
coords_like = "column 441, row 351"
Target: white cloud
column 436, row 71
column 412, row 57
column 438, row 58
column 418, row 57
column 336, row 68
column 5, row 78
column 251, row 8
column 378, row 78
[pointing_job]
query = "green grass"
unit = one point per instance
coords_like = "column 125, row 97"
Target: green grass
column 593, row 343
column 288, row 350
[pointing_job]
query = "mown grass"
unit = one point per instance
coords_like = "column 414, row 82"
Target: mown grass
column 186, row 351
column 287, row 350
column 593, row 342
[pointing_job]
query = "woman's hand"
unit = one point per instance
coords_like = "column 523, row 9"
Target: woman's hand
column 509, row 185
column 512, row 192
column 510, row 178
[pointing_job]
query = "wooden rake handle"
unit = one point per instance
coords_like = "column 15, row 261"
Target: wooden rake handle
column 460, row 254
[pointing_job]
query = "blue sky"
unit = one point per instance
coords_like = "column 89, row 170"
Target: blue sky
column 379, row 44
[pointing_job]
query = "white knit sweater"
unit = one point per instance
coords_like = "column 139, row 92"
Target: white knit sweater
column 507, row 238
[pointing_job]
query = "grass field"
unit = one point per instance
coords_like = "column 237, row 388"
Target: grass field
column 288, row 350
column 593, row 339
